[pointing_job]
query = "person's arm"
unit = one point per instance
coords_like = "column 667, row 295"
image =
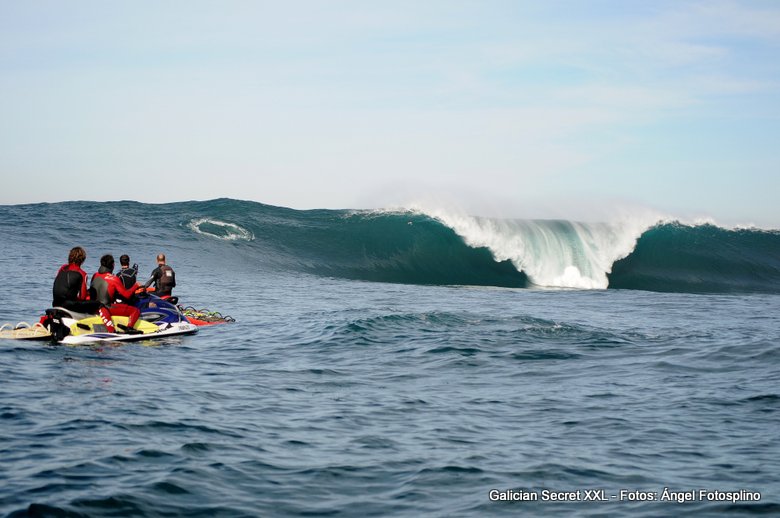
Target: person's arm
column 119, row 286
column 154, row 277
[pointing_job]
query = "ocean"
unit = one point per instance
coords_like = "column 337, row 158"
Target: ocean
column 399, row 363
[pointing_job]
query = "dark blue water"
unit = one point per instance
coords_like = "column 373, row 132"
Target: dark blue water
column 343, row 397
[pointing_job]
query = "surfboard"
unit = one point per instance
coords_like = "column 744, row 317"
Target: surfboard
column 24, row 331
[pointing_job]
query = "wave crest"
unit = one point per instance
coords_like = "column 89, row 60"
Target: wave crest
column 553, row 253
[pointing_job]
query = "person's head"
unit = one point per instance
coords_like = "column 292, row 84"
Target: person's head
column 77, row 256
column 160, row 258
column 124, row 261
column 107, row 261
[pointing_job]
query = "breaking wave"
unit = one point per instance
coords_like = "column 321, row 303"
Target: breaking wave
column 432, row 246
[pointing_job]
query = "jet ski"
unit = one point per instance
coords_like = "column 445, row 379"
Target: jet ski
column 70, row 327
column 160, row 317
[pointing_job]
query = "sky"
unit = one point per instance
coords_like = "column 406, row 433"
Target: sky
column 503, row 108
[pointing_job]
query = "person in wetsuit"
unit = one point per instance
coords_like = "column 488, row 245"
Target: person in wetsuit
column 163, row 277
column 126, row 274
column 107, row 287
column 70, row 285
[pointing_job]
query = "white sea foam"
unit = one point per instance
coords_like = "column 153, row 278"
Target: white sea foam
column 553, row 253
column 228, row 231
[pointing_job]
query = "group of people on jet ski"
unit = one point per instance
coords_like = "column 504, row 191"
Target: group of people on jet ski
column 108, row 295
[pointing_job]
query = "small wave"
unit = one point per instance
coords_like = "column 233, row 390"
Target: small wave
column 221, row 229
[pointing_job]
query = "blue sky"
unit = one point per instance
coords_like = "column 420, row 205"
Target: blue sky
column 524, row 109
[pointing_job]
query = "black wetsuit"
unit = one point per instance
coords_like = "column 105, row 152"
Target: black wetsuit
column 128, row 275
column 69, row 290
column 164, row 279
column 128, row 278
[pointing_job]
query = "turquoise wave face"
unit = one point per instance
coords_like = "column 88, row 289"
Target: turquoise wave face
column 415, row 248
column 701, row 259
